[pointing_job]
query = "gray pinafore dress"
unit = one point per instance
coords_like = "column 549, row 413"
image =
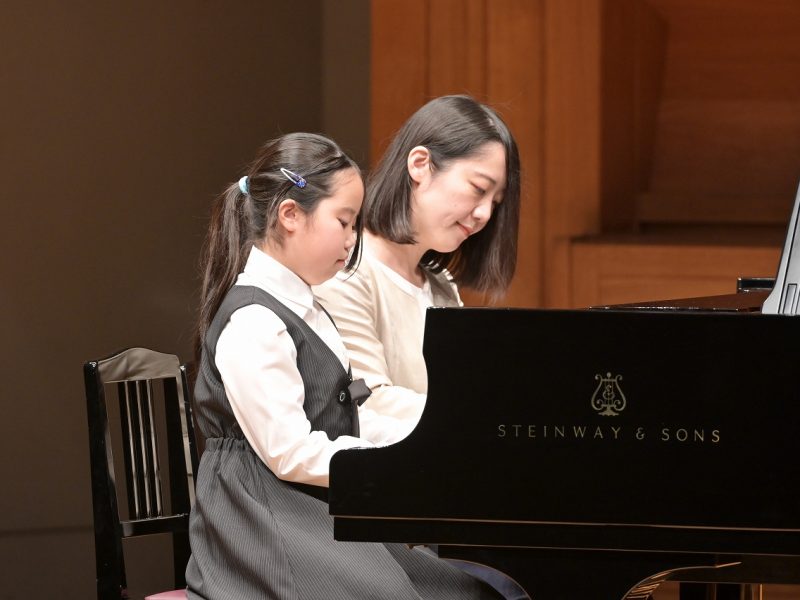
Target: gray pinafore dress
column 256, row 536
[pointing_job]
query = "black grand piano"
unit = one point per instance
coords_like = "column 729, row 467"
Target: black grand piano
column 593, row 454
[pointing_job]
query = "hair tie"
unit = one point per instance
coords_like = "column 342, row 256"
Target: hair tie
column 294, row 178
column 243, row 185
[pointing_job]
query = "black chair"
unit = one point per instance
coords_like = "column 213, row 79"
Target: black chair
column 152, row 422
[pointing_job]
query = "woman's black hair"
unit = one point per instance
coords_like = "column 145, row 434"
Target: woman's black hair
column 239, row 219
column 451, row 128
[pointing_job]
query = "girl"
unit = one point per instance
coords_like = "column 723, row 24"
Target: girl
column 275, row 398
column 443, row 200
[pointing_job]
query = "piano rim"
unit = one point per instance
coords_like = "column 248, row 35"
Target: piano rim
column 569, row 535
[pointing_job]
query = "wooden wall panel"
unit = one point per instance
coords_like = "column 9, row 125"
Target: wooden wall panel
column 515, row 72
column 650, row 52
column 617, row 106
column 729, row 125
column 398, row 71
column 457, row 48
column 633, row 48
column 572, row 32
column 619, row 272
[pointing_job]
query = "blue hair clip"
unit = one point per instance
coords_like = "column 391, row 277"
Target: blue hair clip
column 243, row 185
column 294, row 178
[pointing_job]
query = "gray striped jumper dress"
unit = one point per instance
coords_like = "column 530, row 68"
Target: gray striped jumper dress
column 256, row 536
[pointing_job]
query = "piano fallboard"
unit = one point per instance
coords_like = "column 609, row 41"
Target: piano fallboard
column 594, row 430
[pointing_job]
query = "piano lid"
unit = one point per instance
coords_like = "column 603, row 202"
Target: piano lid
column 740, row 302
column 785, row 296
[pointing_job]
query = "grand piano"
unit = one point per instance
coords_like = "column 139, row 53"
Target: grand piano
column 593, row 454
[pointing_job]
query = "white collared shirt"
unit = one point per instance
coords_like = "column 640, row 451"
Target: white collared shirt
column 257, row 361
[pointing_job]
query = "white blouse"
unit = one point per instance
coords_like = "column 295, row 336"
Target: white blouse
column 257, row 360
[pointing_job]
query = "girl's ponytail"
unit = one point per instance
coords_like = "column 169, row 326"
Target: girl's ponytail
column 223, row 256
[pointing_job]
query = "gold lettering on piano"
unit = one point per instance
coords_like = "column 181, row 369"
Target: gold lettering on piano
column 542, row 432
column 608, row 400
column 683, row 434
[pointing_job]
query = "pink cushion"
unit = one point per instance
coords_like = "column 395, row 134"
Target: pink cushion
column 173, row 595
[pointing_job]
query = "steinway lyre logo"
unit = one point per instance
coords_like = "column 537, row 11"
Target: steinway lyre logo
column 608, row 399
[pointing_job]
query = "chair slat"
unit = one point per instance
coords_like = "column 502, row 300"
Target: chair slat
column 128, row 416
column 149, row 450
column 153, row 460
column 142, row 440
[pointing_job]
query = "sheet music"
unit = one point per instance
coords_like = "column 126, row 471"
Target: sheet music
column 785, row 296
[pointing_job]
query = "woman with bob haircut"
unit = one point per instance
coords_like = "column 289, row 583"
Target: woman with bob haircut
column 441, row 211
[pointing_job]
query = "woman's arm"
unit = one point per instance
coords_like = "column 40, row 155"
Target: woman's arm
column 353, row 304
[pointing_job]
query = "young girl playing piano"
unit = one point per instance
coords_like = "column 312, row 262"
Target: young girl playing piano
column 274, row 397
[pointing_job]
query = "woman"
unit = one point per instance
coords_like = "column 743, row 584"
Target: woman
column 441, row 211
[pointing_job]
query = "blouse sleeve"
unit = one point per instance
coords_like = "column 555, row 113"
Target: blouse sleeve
column 352, row 304
column 256, row 358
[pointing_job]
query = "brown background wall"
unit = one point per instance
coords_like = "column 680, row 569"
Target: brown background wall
column 120, row 122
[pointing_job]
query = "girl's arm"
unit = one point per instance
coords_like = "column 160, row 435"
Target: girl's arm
column 258, row 363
